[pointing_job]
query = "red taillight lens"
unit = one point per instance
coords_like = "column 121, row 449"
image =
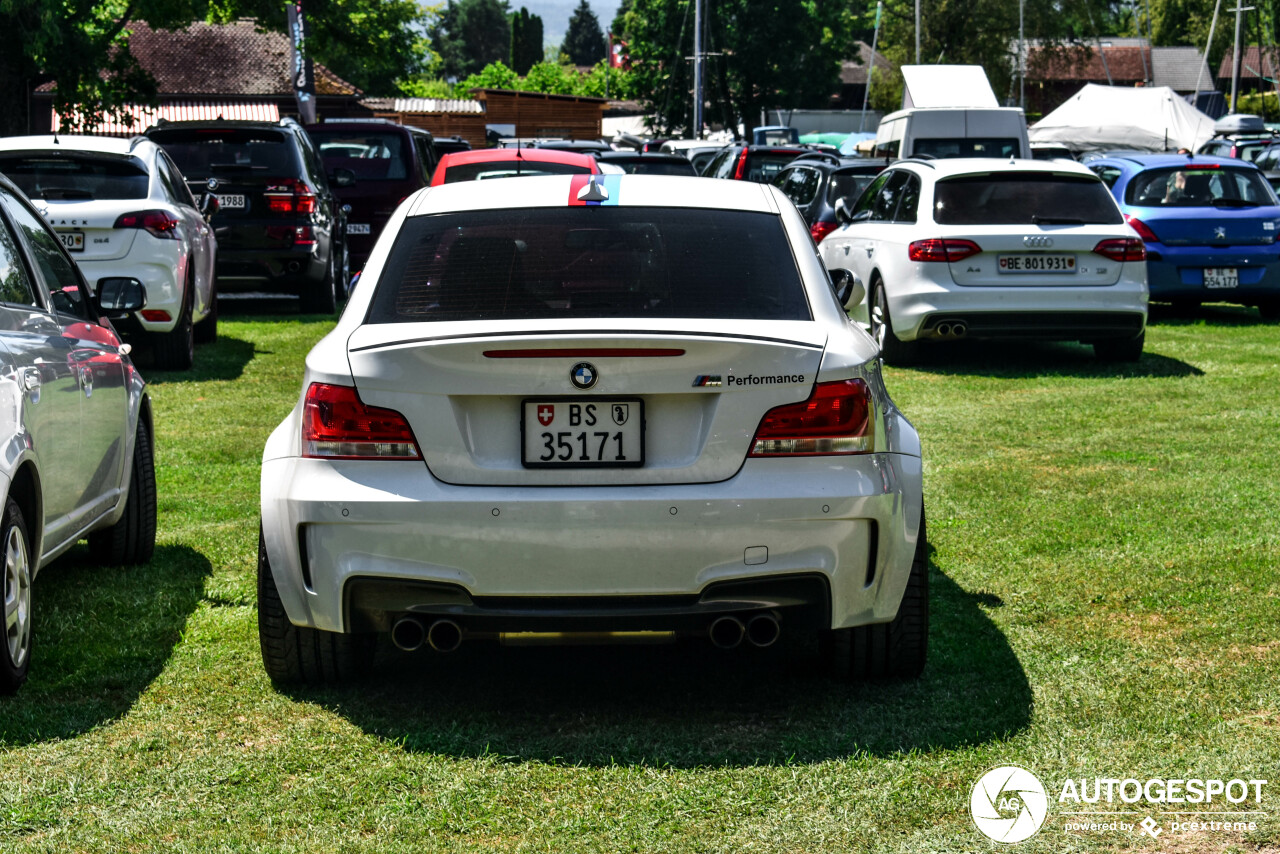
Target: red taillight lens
column 936, row 249
column 290, row 196
column 836, row 419
column 820, row 230
column 1144, row 230
column 156, row 315
column 1122, row 249
column 336, row 425
column 156, row 223
column 740, row 171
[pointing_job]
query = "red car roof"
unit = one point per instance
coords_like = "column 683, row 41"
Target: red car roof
column 508, row 155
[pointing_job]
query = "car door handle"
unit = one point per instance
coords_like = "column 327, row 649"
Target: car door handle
column 846, row 249
column 31, row 383
column 871, row 249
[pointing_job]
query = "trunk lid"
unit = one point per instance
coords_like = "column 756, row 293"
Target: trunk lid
column 87, row 229
column 1036, row 256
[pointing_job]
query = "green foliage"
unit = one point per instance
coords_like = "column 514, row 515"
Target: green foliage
column 552, row 78
column 584, row 41
column 422, row 86
column 1260, row 104
column 526, row 41
column 495, row 75
column 471, row 34
column 619, row 25
column 605, row 82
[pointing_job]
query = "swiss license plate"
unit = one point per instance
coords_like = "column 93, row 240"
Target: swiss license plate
column 357, row 228
column 72, row 240
column 1221, row 277
column 599, row 433
column 230, row 200
column 1037, row 263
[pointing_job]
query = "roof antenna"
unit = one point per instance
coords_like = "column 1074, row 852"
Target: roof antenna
column 593, row 192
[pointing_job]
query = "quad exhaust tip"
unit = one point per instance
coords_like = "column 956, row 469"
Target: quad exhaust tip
column 444, row 636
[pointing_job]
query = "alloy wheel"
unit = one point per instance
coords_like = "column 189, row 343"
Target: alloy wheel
column 17, row 597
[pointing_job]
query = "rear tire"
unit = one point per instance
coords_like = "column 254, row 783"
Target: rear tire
column 132, row 539
column 1113, row 350
column 15, row 630
column 893, row 650
column 301, row 655
column 176, row 350
column 207, row 329
column 323, row 297
column 893, row 349
column 1270, row 310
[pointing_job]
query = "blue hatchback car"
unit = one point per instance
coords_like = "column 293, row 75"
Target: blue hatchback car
column 1210, row 225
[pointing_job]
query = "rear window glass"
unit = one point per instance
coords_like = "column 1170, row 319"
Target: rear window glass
column 1198, row 187
column 649, row 167
column 1023, row 198
column 201, row 152
column 371, row 156
column 455, row 172
column 71, row 177
column 764, row 166
column 847, row 185
column 969, row 146
column 590, row 262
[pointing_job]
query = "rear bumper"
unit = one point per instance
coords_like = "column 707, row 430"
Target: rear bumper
column 287, row 270
column 162, row 277
column 355, row 544
column 1179, row 273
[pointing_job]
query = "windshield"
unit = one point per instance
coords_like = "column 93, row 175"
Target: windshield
column 203, row 152
column 969, row 146
column 590, row 262
column 1199, row 186
column 74, row 177
column 1024, row 198
column 372, row 156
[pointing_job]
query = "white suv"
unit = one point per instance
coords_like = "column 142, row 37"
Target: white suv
column 993, row 249
column 122, row 208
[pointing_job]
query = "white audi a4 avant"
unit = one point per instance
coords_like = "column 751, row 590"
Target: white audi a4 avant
column 615, row 406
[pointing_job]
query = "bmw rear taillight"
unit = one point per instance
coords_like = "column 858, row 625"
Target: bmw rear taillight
column 836, row 419
column 1122, row 249
column 290, row 196
column 1144, row 230
column 156, row 223
column 336, row 425
column 938, row 249
column 821, row 229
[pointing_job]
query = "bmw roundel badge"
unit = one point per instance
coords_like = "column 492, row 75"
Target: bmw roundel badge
column 583, row 375
column 212, row 184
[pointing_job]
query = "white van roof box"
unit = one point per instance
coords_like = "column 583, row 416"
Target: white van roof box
column 946, row 86
column 1239, row 123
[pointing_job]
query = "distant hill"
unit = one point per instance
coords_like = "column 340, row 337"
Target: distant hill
column 555, row 15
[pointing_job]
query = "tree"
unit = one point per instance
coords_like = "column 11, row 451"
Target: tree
column 471, row 34
column 584, row 42
column 619, row 25
column 526, row 41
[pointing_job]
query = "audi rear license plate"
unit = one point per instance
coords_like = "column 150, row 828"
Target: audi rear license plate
column 72, row 240
column 1222, row 277
column 357, row 228
column 1037, row 263
column 598, row 433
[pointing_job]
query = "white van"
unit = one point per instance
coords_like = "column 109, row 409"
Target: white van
column 953, row 132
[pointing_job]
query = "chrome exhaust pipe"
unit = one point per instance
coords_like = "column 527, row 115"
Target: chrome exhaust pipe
column 444, row 636
column 943, row 330
column 959, row 329
column 727, row 632
column 408, row 634
column 763, row 630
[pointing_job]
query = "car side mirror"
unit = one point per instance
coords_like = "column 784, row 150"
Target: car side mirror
column 209, row 206
column 848, row 287
column 861, row 216
column 119, row 295
column 342, row 177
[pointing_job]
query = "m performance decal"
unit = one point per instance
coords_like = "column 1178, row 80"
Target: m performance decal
column 752, row 379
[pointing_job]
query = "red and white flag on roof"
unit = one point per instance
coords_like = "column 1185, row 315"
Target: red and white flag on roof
column 618, row 56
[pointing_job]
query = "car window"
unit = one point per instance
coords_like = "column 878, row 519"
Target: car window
column 510, row 168
column 611, row 262
column 15, row 283
column 908, row 201
column 969, row 146
column 847, row 185
column 885, row 201
column 722, row 166
column 871, row 193
column 375, row 155
column 1108, row 174
column 805, row 183
column 174, row 181
column 1198, row 186
column 426, row 155
column 59, row 272
column 1023, row 198
column 204, row 152
column 75, row 177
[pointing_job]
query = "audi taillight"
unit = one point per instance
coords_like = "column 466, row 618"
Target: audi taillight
column 836, row 419
column 336, row 425
column 156, row 223
column 1144, row 230
column 939, row 249
column 820, row 230
column 1122, row 249
column 290, row 196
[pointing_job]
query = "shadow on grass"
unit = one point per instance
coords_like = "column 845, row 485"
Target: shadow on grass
column 1216, row 314
column 270, row 309
column 224, row 359
column 101, row 635
column 689, row 704
column 1024, row 359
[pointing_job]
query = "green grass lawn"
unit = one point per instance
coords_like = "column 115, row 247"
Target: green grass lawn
column 1105, row 545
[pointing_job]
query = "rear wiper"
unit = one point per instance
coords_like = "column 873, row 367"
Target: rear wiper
column 64, row 193
column 1234, row 203
column 1056, row 220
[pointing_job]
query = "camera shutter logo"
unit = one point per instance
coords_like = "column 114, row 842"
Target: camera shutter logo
column 1008, row 804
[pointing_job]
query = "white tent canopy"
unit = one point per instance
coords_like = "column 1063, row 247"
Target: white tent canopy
column 1150, row 118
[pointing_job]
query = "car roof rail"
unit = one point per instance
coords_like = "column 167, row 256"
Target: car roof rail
column 922, row 159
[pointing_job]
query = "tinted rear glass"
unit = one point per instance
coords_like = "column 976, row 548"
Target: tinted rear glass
column 969, row 146
column 640, row 166
column 847, row 185
column 1192, row 187
column 510, row 169
column 764, row 166
column 70, row 177
column 1023, row 198
column 200, row 153
column 590, row 262
column 372, row 156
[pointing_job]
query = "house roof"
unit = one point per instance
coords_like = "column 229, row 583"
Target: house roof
column 1180, row 68
column 423, row 105
column 855, row 73
column 1085, row 63
column 236, row 59
column 1255, row 60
